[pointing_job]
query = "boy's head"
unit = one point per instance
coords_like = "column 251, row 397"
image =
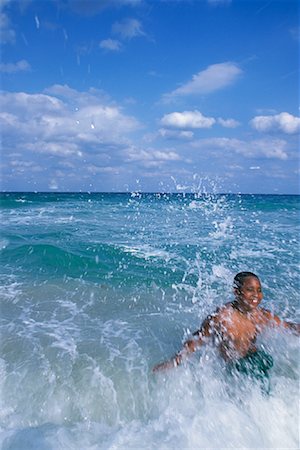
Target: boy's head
column 247, row 290
column 240, row 277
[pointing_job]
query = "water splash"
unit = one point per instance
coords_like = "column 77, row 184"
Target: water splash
column 91, row 304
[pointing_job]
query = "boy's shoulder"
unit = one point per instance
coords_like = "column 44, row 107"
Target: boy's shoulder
column 227, row 307
column 224, row 310
column 266, row 314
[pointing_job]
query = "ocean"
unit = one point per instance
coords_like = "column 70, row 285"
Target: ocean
column 98, row 288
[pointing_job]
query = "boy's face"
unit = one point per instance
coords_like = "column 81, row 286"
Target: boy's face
column 249, row 295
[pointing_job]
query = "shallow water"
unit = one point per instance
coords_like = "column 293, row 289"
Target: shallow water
column 97, row 288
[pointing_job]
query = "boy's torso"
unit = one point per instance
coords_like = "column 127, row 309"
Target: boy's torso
column 235, row 332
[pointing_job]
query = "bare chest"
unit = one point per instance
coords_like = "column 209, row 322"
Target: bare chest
column 238, row 328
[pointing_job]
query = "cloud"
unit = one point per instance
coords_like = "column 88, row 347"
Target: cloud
column 55, row 148
column 195, row 120
column 284, row 122
column 111, row 44
column 65, row 131
column 128, row 28
column 175, row 134
column 53, row 185
column 63, row 122
column 150, row 158
column 20, row 66
column 20, row 167
column 228, row 123
column 213, row 78
column 7, row 33
column 187, row 119
column 93, row 169
column 260, row 148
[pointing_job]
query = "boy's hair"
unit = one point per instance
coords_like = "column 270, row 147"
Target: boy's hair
column 239, row 279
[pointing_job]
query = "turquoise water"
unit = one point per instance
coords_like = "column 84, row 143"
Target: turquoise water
column 97, row 288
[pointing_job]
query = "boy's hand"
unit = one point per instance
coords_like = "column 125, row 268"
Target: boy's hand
column 166, row 365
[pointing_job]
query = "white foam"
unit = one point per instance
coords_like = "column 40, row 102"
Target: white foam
column 147, row 252
column 223, row 229
column 112, row 400
column 220, row 271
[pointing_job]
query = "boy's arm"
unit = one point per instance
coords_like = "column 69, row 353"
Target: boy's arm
column 273, row 320
column 189, row 346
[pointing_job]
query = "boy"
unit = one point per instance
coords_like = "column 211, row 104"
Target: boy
column 234, row 328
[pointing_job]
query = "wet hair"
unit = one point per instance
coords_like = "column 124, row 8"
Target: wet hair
column 239, row 279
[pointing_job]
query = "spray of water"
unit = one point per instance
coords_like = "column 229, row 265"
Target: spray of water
column 133, row 277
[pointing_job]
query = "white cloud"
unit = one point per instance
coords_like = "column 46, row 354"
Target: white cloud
column 21, row 166
column 260, row 148
column 93, row 169
column 228, row 123
column 166, row 156
column 175, row 134
column 151, row 158
column 7, row 33
column 70, row 125
column 213, row 78
column 187, row 119
column 128, row 28
column 234, row 167
column 55, row 148
column 111, row 44
column 195, row 120
column 53, row 185
column 20, row 66
column 285, row 122
column 269, row 148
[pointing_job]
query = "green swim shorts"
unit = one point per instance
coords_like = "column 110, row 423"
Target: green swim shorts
column 256, row 366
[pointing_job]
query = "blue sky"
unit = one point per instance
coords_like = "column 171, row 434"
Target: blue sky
column 129, row 95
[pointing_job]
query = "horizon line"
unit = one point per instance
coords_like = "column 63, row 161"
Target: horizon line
column 138, row 192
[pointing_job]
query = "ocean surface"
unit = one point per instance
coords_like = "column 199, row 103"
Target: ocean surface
column 98, row 288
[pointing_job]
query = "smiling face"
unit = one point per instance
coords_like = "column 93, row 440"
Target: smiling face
column 249, row 295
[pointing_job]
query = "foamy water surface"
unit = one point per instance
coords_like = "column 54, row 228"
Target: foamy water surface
column 96, row 289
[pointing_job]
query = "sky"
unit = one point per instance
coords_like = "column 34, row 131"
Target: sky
column 152, row 96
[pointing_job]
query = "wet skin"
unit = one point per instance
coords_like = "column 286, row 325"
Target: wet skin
column 237, row 324
column 233, row 327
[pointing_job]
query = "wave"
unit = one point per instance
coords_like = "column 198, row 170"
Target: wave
column 120, row 264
